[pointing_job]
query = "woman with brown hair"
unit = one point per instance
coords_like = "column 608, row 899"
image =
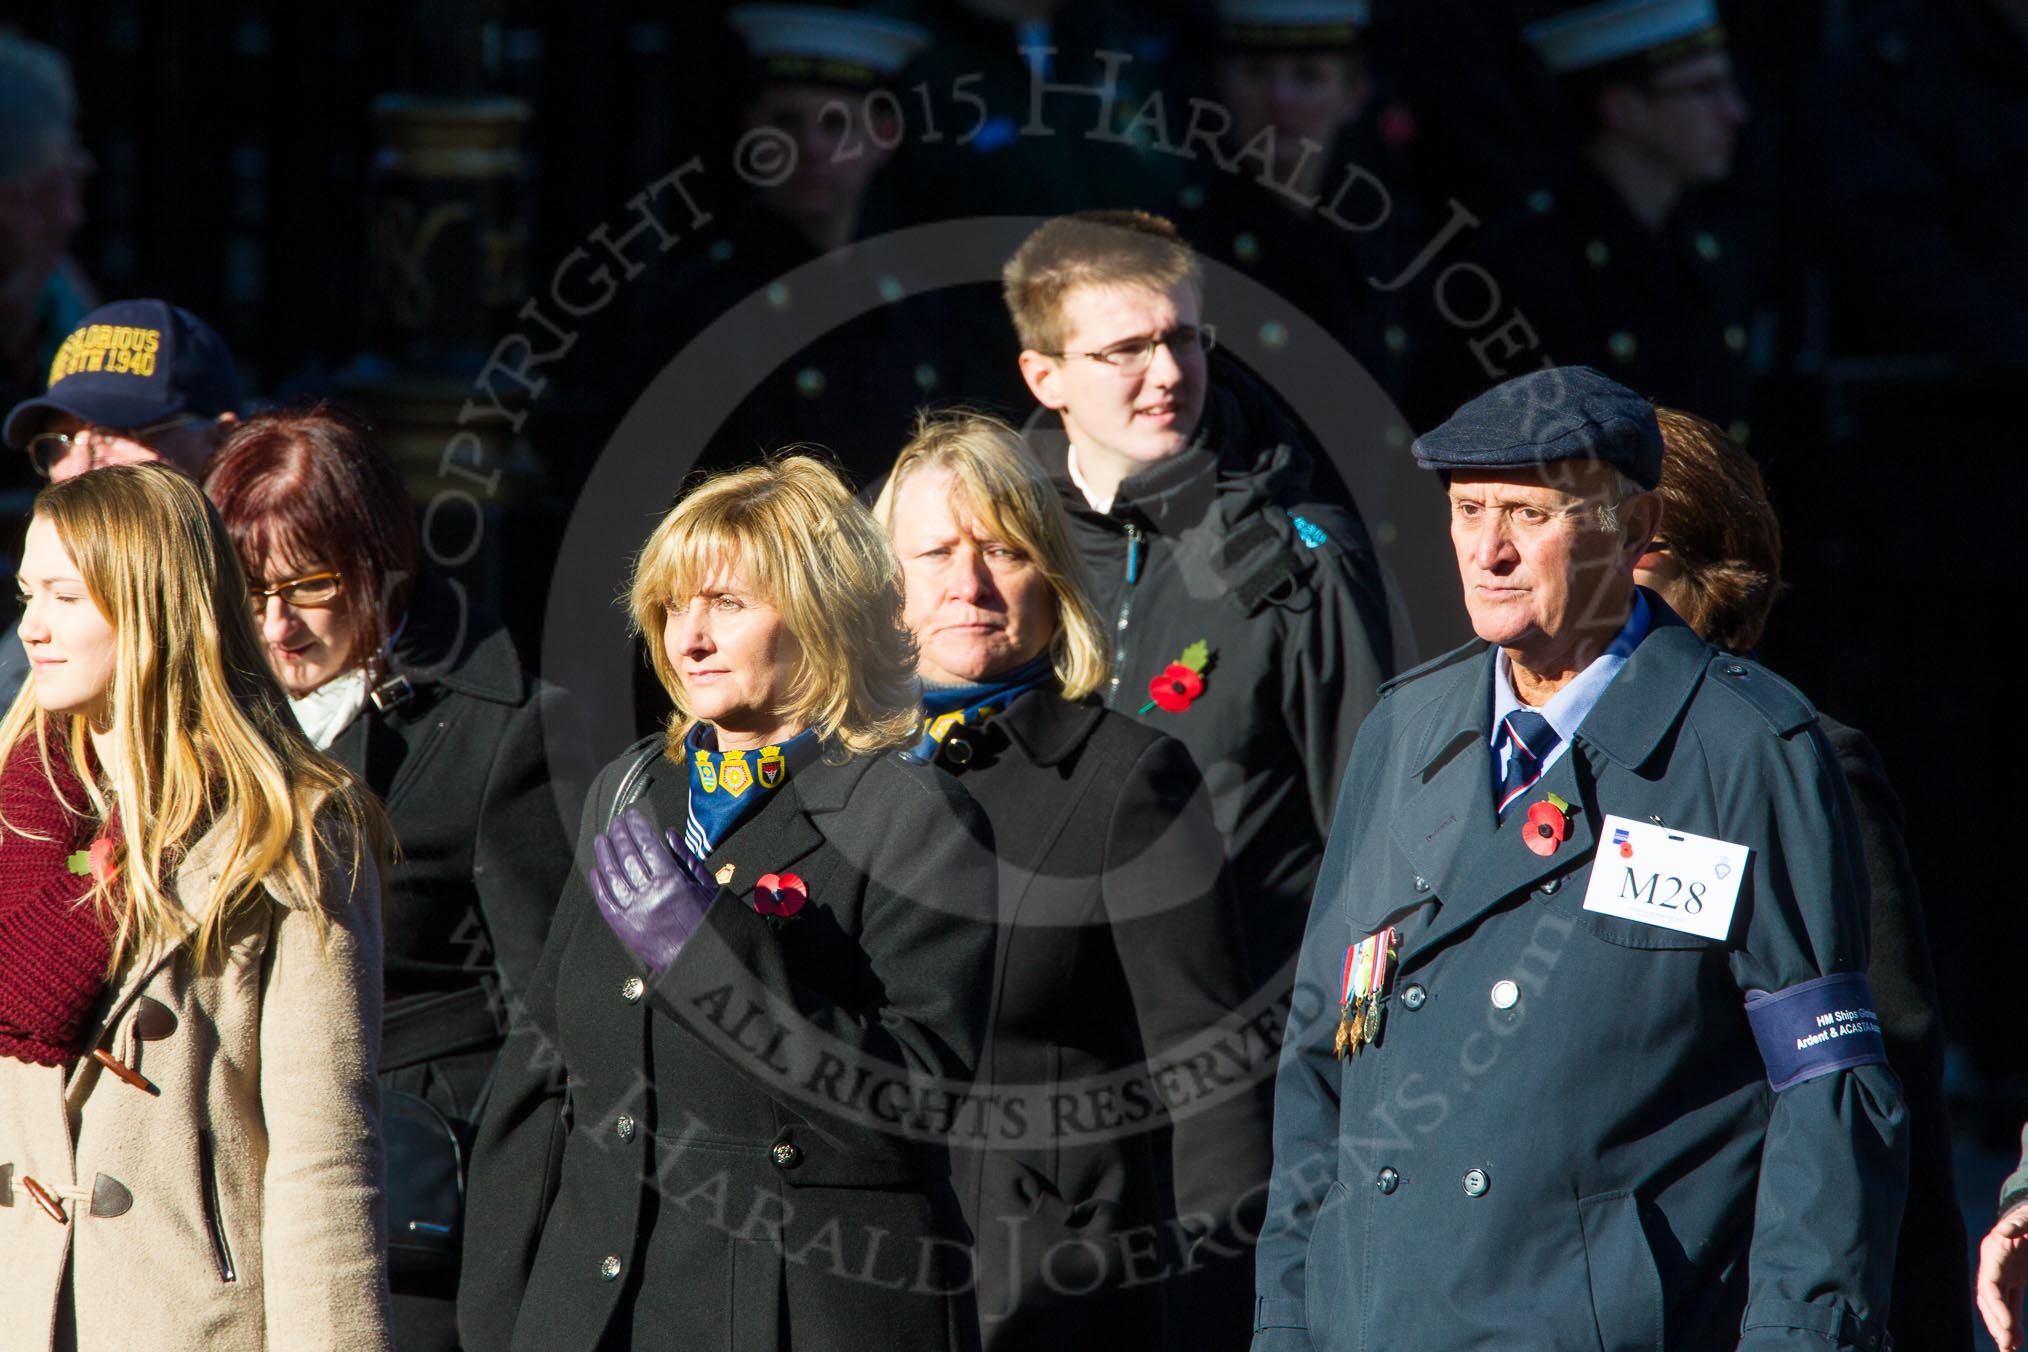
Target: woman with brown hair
column 720, row 1116
column 189, row 958
column 391, row 673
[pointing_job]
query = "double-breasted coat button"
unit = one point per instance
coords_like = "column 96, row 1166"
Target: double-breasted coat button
column 1413, row 997
column 609, row 1267
column 1476, row 1183
column 1549, row 886
column 1421, row 883
column 958, row 749
column 1505, row 994
column 632, row 989
column 786, row 1154
column 1387, row 1181
column 625, row 1127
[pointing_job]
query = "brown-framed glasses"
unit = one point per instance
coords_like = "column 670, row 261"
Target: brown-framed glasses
column 311, row 591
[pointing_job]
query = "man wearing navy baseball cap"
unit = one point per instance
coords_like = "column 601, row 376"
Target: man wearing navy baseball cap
column 136, row 380
column 1598, row 1063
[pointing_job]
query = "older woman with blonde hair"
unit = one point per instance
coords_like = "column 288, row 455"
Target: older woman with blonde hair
column 719, row 1117
column 1120, row 942
column 189, row 957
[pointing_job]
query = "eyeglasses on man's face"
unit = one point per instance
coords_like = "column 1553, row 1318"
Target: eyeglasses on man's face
column 1131, row 356
column 47, row 450
column 311, row 591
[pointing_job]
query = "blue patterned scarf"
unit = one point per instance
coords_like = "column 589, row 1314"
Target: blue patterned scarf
column 727, row 786
column 949, row 706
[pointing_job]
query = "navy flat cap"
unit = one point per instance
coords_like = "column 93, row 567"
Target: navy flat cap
column 1558, row 413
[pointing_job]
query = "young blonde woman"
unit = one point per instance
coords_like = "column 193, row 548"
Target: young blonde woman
column 189, row 958
column 718, row 1120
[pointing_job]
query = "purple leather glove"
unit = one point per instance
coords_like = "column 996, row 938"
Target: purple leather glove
column 652, row 892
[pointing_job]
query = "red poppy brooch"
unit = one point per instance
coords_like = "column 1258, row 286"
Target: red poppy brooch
column 780, row 897
column 1548, row 825
column 1181, row 682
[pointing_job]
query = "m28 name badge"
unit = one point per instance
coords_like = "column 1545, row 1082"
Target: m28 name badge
column 1671, row 879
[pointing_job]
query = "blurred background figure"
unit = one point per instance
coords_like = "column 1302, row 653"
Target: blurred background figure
column 1718, row 563
column 1300, row 211
column 1617, row 262
column 135, row 381
column 43, row 167
column 819, row 95
column 390, row 674
column 1120, row 935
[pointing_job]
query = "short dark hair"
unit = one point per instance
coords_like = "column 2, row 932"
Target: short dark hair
column 314, row 482
column 1719, row 526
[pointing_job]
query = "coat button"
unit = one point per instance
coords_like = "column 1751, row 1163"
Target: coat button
column 1549, row 886
column 1505, row 994
column 1421, row 883
column 1413, row 997
column 958, row 750
column 625, row 1127
column 786, row 1154
column 1476, row 1183
column 1388, row 1181
column 609, row 1267
column 632, row 989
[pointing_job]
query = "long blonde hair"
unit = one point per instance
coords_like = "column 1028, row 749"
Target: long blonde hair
column 1002, row 487
column 814, row 552
column 203, row 734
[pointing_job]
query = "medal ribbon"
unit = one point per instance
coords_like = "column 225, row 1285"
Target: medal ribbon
column 727, row 786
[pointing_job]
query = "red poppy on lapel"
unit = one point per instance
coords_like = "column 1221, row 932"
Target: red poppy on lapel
column 779, row 896
column 1548, row 825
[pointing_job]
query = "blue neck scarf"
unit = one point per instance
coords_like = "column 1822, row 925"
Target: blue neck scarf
column 948, row 706
column 727, row 787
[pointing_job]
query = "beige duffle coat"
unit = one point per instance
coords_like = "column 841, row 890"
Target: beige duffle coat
column 240, row 1207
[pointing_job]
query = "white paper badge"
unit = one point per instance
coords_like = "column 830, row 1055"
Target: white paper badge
column 1669, row 878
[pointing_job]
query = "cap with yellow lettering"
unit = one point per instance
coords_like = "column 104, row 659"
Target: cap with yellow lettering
column 130, row 364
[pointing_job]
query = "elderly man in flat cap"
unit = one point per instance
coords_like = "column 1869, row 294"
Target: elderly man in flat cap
column 1582, row 1053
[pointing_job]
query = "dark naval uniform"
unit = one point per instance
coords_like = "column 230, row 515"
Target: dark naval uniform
column 1221, row 553
column 853, row 390
column 1668, row 313
column 718, row 1157
column 1565, row 1135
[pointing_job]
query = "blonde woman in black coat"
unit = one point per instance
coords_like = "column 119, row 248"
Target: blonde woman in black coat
column 719, row 1117
column 1120, row 961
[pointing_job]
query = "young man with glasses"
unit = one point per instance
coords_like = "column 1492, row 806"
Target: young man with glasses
column 1247, row 619
column 136, row 380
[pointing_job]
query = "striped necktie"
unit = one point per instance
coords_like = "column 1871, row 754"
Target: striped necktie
column 1530, row 739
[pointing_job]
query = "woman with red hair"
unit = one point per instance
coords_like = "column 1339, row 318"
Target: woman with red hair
column 388, row 671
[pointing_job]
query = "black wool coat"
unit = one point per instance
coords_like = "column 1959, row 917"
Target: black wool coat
column 1120, row 1003
column 457, row 758
column 1931, row 1275
column 747, row 1152
column 1206, row 547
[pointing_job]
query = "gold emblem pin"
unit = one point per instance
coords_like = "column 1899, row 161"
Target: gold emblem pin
column 725, row 874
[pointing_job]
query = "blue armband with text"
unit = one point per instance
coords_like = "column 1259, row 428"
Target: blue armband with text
column 1816, row 1027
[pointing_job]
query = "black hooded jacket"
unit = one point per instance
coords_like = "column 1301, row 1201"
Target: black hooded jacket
column 1224, row 545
